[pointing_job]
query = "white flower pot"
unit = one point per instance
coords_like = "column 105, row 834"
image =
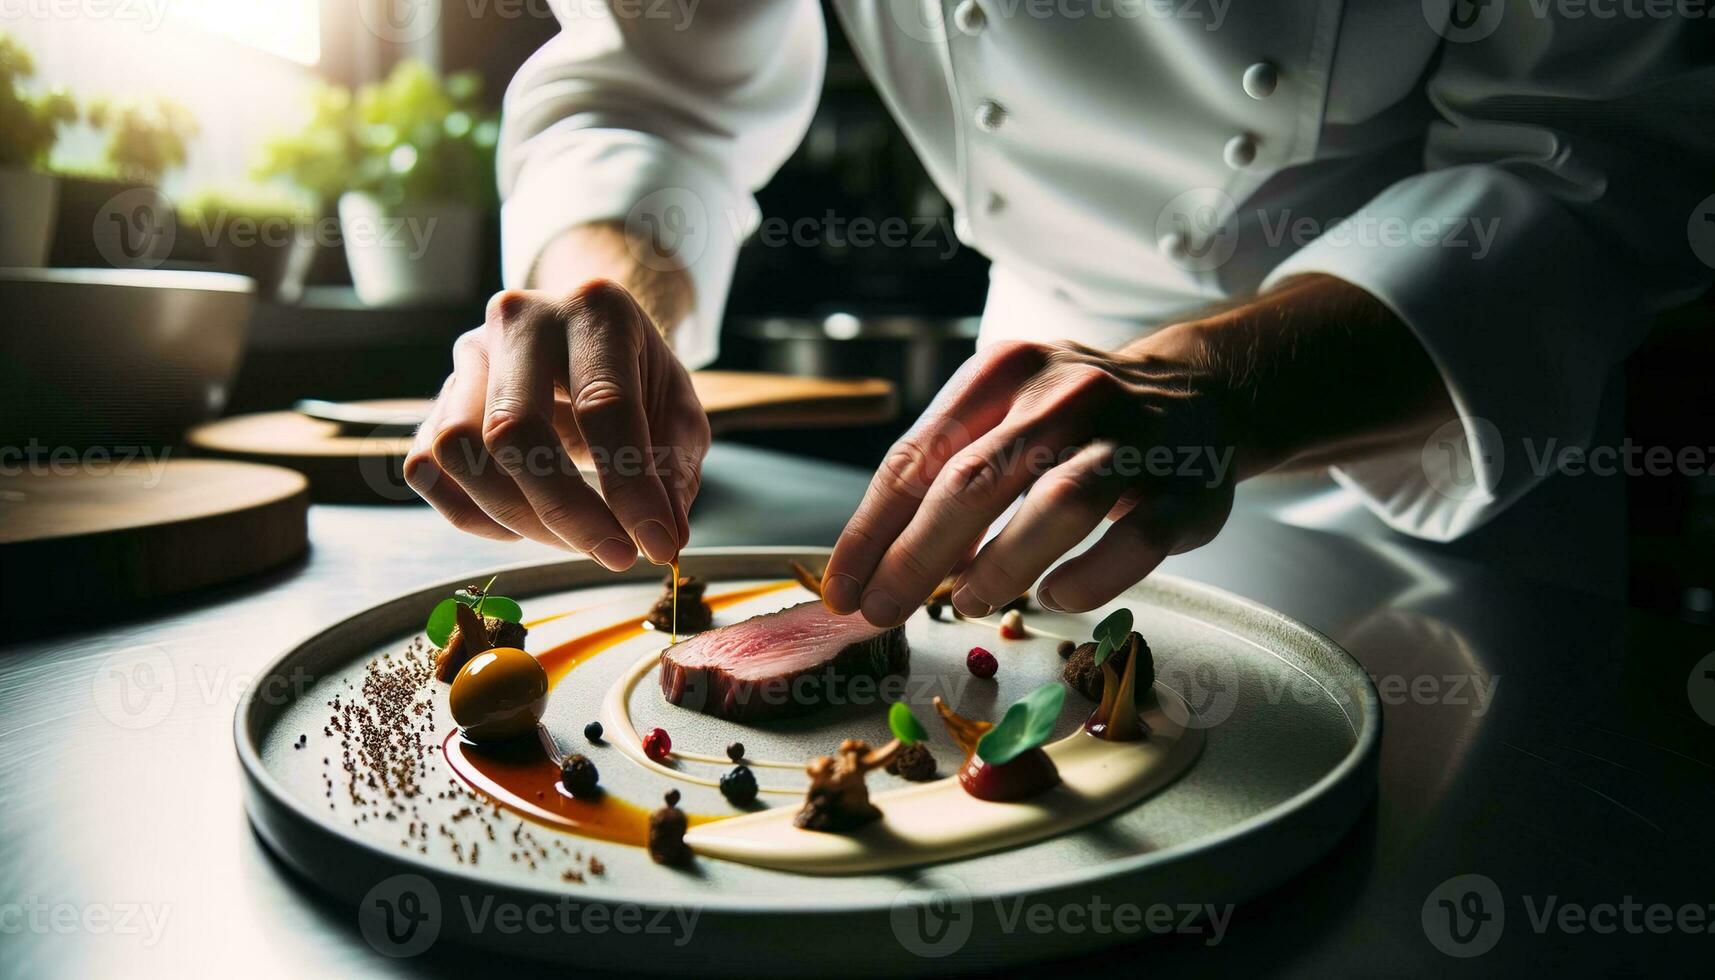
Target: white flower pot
column 411, row 255
column 29, row 203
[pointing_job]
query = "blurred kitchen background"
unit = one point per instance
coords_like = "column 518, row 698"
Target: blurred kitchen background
column 306, row 116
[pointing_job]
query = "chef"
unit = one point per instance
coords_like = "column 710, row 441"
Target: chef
column 1406, row 239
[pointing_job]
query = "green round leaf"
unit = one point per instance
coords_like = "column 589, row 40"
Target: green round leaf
column 905, row 725
column 1025, row 726
column 441, row 622
column 501, row 607
column 1116, row 627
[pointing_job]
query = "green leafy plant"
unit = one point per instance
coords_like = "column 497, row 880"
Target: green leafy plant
column 439, row 628
column 1025, row 726
column 146, row 138
column 413, row 138
column 29, row 124
column 905, row 725
column 216, row 210
column 1111, row 633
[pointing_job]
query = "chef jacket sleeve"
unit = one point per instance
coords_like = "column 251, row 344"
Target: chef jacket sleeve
column 1565, row 178
column 666, row 117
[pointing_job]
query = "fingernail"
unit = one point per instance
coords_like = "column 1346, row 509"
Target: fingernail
column 840, row 592
column 657, row 542
column 1046, row 600
column 616, row 554
column 967, row 603
column 880, row 608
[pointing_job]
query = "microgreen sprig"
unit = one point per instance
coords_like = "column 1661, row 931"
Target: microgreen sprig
column 439, row 628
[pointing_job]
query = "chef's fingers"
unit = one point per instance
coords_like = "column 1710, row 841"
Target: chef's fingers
column 454, row 444
column 526, row 346
column 973, row 489
column 969, row 406
column 1059, row 511
column 605, row 334
column 424, row 476
column 1158, row 526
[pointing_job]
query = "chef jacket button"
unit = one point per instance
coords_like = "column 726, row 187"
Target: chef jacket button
column 990, row 115
column 1240, row 151
column 969, row 17
column 1261, row 79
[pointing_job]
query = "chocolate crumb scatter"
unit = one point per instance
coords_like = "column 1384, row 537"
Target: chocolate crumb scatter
column 386, row 733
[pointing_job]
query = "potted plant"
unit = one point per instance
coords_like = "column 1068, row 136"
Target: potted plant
column 115, row 214
column 29, row 128
column 262, row 234
column 411, row 164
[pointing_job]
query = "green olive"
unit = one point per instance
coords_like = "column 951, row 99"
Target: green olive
column 499, row 694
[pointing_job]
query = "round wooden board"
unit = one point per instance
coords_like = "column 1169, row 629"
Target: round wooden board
column 92, row 537
column 344, row 466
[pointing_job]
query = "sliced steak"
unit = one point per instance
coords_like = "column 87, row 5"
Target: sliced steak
column 782, row 663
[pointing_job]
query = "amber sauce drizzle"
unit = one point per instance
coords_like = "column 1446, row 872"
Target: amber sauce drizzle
column 523, row 776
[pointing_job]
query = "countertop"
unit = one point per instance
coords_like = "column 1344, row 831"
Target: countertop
column 1555, row 744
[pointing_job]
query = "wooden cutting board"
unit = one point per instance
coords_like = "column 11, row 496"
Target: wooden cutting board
column 350, row 464
column 104, row 536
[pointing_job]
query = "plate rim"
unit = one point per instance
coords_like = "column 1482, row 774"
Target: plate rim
column 1367, row 738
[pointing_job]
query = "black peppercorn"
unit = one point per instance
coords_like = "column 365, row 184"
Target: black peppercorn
column 578, row 774
column 739, row 786
column 735, row 752
column 592, row 731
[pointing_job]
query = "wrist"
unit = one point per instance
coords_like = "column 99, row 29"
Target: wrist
column 604, row 250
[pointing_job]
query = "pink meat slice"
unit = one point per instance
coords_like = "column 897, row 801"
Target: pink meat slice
column 780, row 663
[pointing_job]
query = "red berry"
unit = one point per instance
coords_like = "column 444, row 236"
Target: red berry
column 1012, row 625
column 981, row 663
column 656, row 744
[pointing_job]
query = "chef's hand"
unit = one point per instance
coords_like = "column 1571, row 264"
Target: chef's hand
column 1153, row 436
column 550, row 380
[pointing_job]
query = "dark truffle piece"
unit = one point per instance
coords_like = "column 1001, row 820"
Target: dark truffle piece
column 695, row 615
column 1082, row 675
column 578, row 774
column 667, row 833
column 913, row 762
column 499, row 633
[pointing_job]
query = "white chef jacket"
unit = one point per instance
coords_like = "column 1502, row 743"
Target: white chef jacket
column 1513, row 180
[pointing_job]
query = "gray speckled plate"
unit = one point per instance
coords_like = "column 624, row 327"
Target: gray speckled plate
column 1292, row 726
